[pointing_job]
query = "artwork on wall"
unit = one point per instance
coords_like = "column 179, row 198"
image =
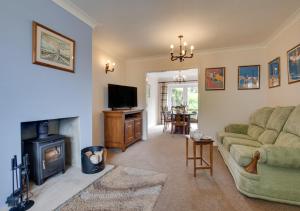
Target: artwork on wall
column 52, row 49
column 215, row 78
column 293, row 56
column 274, row 73
column 249, row 77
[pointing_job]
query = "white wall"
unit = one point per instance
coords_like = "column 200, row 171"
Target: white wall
column 152, row 101
column 217, row 108
column 286, row 94
column 100, row 93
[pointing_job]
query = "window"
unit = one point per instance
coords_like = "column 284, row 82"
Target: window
column 183, row 94
column 177, row 96
column 192, row 98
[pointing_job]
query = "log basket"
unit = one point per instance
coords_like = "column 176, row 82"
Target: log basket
column 87, row 166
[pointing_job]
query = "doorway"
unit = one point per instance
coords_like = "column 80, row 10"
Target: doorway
column 168, row 89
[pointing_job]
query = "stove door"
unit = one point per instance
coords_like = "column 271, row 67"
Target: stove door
column 53, row 158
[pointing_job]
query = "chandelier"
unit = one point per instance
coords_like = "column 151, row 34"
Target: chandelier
column 182, row 51
column 179, row 78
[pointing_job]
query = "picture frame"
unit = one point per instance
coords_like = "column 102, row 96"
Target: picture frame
column 274, row 73
column 249, row 77
column 215, row 78
column 293, row 62
column 52, row 49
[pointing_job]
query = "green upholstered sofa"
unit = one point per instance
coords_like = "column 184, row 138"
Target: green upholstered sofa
column 275, row 134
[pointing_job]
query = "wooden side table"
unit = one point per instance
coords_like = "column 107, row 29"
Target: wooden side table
column 203, row 163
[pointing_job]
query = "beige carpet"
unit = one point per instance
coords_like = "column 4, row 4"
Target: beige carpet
column 122, row 188
column 182, row 192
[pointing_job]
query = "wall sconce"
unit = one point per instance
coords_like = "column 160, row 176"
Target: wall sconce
column 107, row 67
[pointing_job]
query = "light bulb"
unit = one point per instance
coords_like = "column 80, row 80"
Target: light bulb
column 192, row 47
column 183, row 52
column 171, row 46
column 185, row 43
column 113, row 64
column 108, row 62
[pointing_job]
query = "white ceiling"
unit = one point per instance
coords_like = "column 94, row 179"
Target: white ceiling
column 141, row 28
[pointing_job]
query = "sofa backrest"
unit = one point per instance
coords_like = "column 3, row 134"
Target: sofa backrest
column 290, row 135
column 275, row 124
column 258, row 122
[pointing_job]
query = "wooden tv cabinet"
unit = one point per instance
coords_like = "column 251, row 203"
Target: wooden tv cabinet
column 122, row 128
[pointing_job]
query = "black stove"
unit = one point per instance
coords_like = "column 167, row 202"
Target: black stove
column 46, row 156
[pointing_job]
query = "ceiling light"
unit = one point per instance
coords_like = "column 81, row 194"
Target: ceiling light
column 179, row 77
column 182, row 51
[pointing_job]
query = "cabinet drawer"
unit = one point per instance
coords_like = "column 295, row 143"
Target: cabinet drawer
column 138, row 128
column 129, row 131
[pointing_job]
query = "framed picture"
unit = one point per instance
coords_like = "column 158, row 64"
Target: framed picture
column 274, row 73
column 51, row 49
column 293, row 56
column 249, row 77
column 215, row 78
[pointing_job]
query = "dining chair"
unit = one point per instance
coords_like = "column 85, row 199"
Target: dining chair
column 166, row 119
column 179, row 121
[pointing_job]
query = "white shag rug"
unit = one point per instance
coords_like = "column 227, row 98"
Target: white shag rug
column 121, row 189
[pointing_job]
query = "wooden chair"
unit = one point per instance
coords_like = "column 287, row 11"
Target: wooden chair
column 179, row 121
column 166, row 119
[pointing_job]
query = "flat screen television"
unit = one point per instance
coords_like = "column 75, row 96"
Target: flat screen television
column 121, row 96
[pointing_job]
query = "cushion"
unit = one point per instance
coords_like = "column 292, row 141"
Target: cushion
column 280, row 156
column 228, row 141
column 242, row 154
column 255, row 131
column 261, row 116
column 222, row 135
column 279, row 117
column 293, row 123
column 275, row 124
column 268, row 137
column 288, row 140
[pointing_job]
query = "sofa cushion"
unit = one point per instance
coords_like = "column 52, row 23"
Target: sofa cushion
column 255, row 131
column 268, row 137
column 228, row 141
column 293, row 123
column 275, row 124
column 261, row 116
column 288, row 140
column 242, row 154
column 222, row 135
column 279, row 117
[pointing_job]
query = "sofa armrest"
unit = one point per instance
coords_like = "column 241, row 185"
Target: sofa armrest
column 237, row 128
column 280, row 156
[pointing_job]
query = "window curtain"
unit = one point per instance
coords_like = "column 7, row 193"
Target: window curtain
column 163, row 99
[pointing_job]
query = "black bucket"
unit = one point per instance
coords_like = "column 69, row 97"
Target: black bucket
column 87, row 166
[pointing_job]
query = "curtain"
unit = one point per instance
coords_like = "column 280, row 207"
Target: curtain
column 163, row 99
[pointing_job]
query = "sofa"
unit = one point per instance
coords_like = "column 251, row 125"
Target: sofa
column 274, row 135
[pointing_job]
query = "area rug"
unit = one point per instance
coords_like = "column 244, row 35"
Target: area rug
column 122, row 188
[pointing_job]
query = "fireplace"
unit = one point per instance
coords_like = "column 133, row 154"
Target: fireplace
column 46, row 153
column 46, row 157
column 51, row 145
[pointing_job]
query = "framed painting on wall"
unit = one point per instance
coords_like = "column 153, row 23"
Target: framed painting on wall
column 274, row 73
column 52, row 49
column 293, row 57
column 249, row 77
column 215, row 78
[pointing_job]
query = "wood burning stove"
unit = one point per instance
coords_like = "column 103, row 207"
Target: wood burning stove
column 46, row 156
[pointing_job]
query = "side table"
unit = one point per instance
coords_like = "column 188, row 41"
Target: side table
column 203, row 163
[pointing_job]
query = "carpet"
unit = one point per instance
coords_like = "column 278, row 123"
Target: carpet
column 122, row 188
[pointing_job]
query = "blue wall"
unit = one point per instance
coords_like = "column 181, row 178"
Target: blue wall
column 31, row 92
